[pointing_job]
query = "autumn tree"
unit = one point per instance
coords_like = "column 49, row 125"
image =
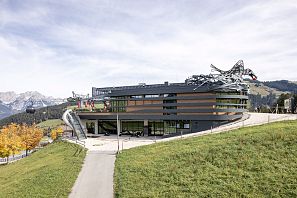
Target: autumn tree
column 10, row 141
column 4, row 152
column 30, row 136
column 15, row 138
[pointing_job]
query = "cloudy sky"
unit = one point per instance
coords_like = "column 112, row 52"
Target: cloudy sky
column 56, row 47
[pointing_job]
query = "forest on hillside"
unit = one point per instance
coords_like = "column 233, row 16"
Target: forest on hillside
column 42, row 114
column 282, row 85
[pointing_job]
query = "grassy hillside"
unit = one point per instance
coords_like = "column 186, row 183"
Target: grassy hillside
column 263, row 90
column 50, row 123
column 50, row 172
column 250, row 162
column 277, row 87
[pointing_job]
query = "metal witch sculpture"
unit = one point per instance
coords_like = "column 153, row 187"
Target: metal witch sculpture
column 223, row 80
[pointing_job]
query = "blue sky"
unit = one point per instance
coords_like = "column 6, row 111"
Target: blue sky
column 56, row 47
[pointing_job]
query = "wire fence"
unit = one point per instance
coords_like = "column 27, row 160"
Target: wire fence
column 266, row 119
column 12, row 159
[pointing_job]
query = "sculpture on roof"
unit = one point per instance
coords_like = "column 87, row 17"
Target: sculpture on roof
column 223, row 80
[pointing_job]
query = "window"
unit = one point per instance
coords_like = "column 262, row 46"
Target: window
column 169, row 95
column 156, row 128
column 102, row 92
column 151, row 96
column 174, row 107
column 183, row 124
column 138, row 96
column 169, row 101
column 132, row 126
column 169, row 127
column 118, row 105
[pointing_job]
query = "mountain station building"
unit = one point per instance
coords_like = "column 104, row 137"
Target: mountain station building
column 201, row 102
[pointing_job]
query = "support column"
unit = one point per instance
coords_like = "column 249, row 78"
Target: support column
column 145, row 128
column 96, row 127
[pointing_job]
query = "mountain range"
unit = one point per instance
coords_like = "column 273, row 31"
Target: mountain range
column 12, row 103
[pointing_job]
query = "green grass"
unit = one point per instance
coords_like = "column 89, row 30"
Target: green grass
column 258, row 161
column 72, row 107
column 50, row 172
column 51, row 123
column 96, row 106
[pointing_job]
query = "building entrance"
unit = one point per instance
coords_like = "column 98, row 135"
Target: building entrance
column 90, row 127
column 155, row 128
column 109, row 127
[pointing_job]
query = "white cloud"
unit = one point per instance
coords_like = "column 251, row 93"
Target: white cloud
column 57, row 47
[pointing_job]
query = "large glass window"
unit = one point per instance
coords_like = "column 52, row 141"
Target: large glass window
column 90, row 127
column 169, row 101
column 173, row 107
column 151, row 96
column 132, row 126
column 169, row 107
column 108, row 127
column 138, row 96
column 183, row 124
column 229, row 100
column 156, row 128
column 118, row 105
column 169, row 127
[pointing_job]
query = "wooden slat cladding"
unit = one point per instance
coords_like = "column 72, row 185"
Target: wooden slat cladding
column 157, row 101
column 196, row 101
column 135, row 108
column 147, row 102
column 196, row 107
column 139, row 102
column 142, row 102
column 131, row 103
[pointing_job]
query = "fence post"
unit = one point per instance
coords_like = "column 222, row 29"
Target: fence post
column 181, row 134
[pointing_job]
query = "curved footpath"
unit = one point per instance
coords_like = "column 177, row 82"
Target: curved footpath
column 96, row 176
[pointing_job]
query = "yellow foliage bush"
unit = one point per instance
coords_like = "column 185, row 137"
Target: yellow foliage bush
column 55, row 133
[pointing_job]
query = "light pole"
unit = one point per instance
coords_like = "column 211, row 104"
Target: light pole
column 118, row 132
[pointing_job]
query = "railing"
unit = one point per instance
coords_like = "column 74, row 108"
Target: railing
column 80, row 142
column 12, row 159
column 75, row 140
column 76, row 125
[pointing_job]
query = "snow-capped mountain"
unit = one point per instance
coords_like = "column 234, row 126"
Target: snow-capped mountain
column 11, row 102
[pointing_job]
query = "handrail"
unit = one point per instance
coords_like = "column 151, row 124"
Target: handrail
column 73, row 121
